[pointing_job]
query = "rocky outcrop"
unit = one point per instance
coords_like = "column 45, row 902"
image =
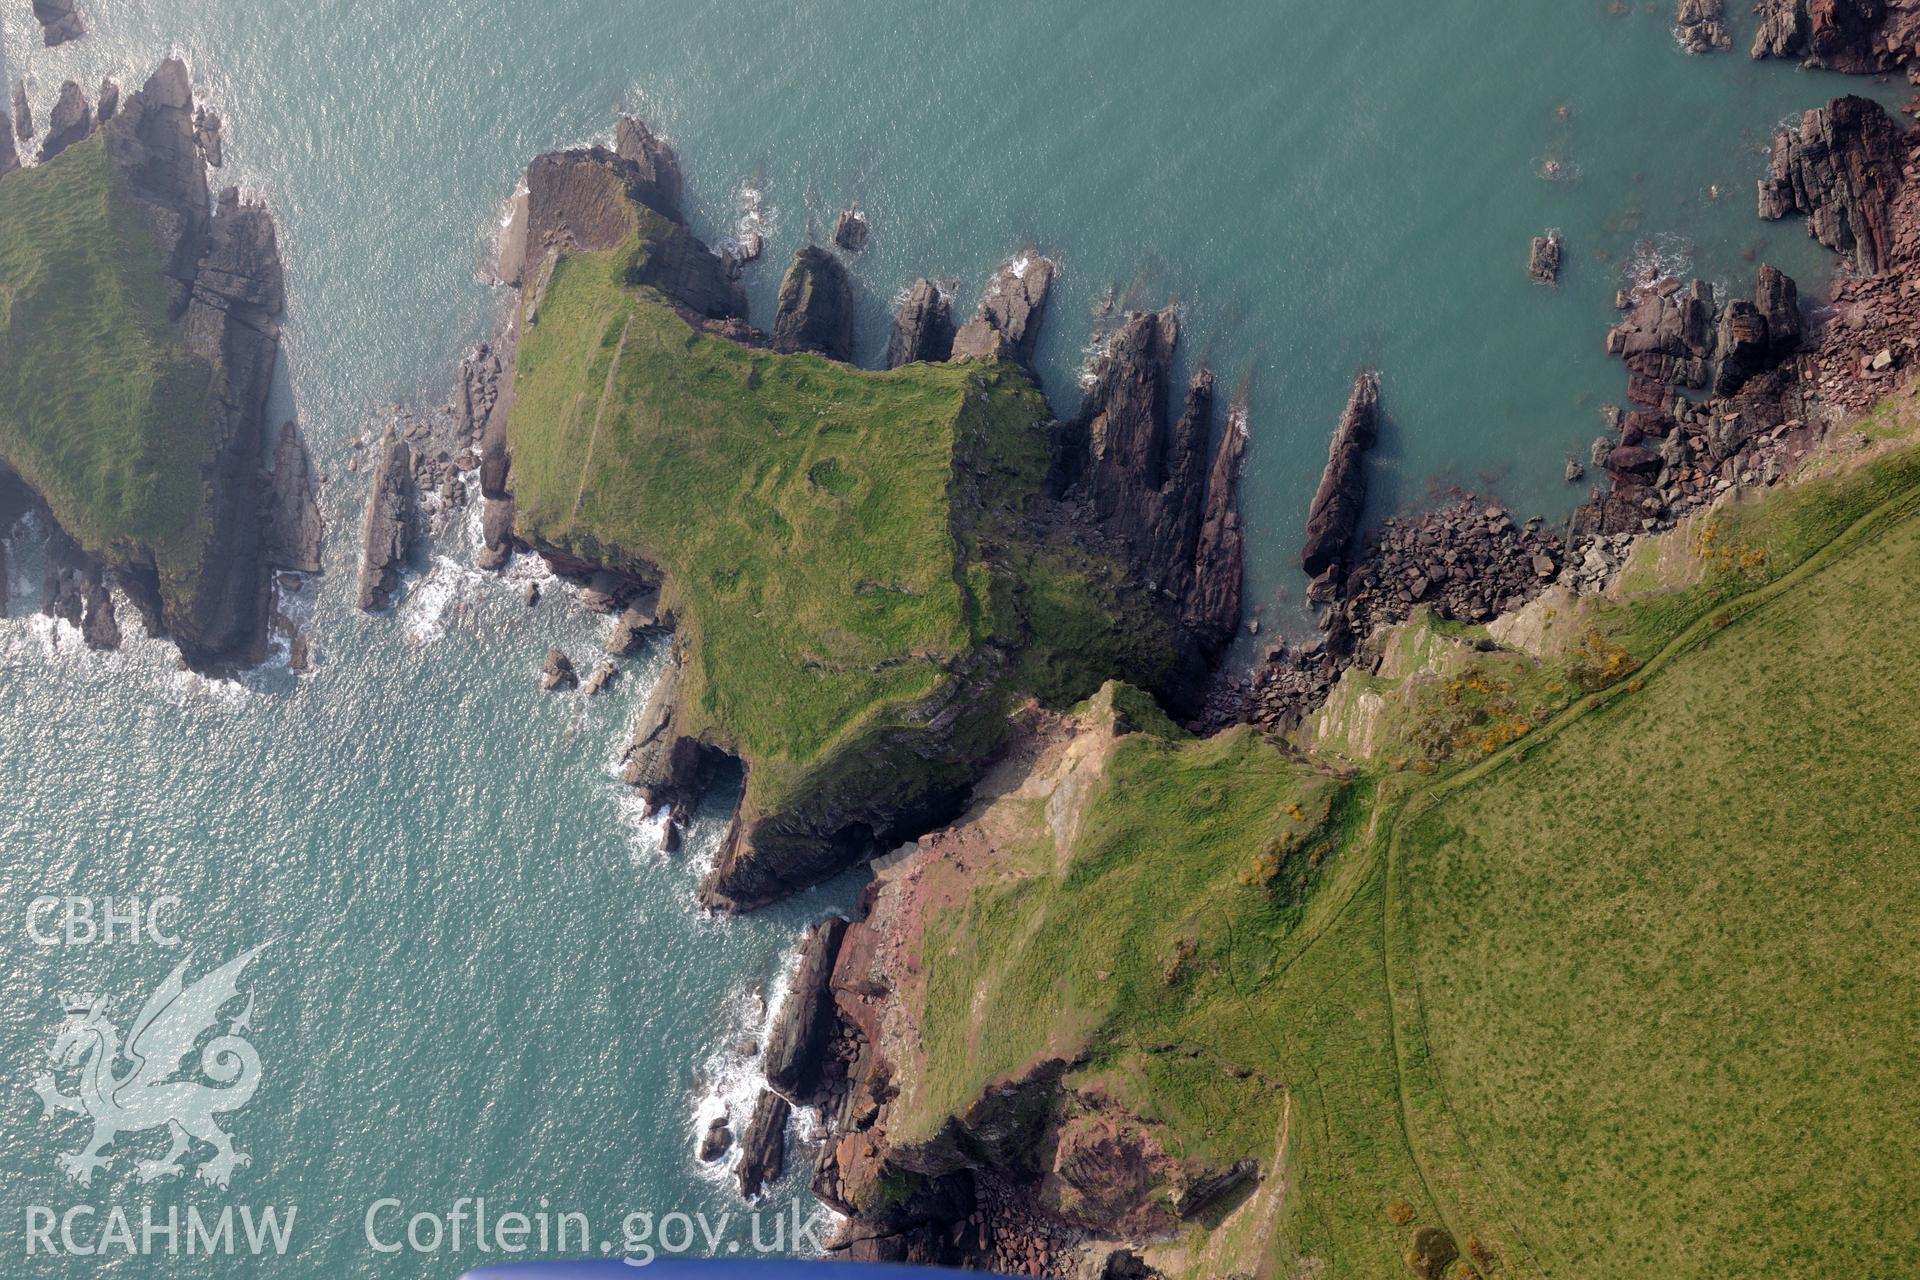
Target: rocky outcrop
column 661, row 763
column 1858, row 37
column 922, row 326
column 1667, row 339
column 850, row 230
column 206, row 136
column 763, row 1147
column 1007, row 322
column 1146, row 481
column 1334, row 516
column 22, row 112
column 387, row 530
column 1842, row 168
column 59, row 21
column 557, row 674
column 815, row 311
column 1744, row 346
column 293, row 528
column 639, row 618
column 1670, row 455
column 1543, row 260
column 9, row 157
column 1778, row 299
column 109, row 101
column 1701, row 26
column 657, row 168
column 583, row 200
column 797, row 1043
column 72, row 121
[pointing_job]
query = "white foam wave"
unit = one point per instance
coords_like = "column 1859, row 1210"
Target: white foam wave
column 730, row 1081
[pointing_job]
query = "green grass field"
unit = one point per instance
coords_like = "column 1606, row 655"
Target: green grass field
column 1664, row 967
column 837, row 543
column 1629, row 994
column 101, row 409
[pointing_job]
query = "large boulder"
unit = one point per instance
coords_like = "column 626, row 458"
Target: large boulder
column 815, row 311
column 1779, row 301
column 1744, row 346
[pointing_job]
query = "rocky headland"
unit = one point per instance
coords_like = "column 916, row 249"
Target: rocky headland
column 1065, row 552
column 197, row 550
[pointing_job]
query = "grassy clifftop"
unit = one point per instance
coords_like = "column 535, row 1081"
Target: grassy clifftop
column 1599, row 966
column 102, row 410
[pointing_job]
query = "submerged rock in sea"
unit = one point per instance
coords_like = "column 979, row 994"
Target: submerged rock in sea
column 387, row 532
column 851, row 230
column 1007, row 321
column 557, row 673
column 59, row 21
column 922, row 326
column 1842, row 168
column 1543, row 263
column 815, row 311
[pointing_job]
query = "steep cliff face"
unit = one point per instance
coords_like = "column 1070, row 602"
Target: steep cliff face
column 1144, row 480
column 188, row 543
column 1004, row 993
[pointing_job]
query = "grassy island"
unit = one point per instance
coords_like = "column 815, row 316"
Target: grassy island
column 102, row 410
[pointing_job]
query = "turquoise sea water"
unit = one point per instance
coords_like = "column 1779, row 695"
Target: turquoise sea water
column 482, row 977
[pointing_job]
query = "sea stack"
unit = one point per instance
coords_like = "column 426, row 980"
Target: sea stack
column 1338, row 503
column 922, row 327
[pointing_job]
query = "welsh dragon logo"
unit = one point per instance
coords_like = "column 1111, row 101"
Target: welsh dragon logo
column 148, row 1095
